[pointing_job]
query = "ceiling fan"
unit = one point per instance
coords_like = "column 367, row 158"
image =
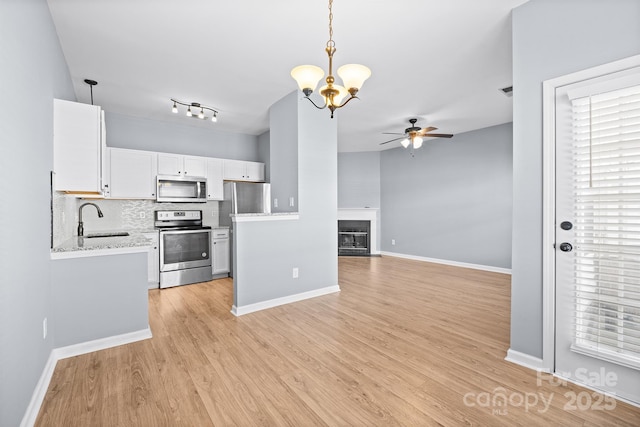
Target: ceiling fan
column 414, row 135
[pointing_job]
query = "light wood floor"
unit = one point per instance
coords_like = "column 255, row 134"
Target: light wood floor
column 404, row 343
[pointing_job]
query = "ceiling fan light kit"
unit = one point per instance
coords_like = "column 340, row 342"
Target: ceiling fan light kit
column 353, row 76
column 197, row 106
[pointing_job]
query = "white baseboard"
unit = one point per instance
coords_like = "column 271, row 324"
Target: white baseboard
column 250, row 308
column 59, row 353
column 101, row 344
column 452, row 263
column 40, row 391
column 525, row 360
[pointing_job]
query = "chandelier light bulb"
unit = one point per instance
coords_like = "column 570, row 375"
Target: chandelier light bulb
column 417, row 142
column 214, row 117
column 201, row 114
column 337, row 99
column 354, row 75
column 307, row 76
column 189, row 113
column 405, row 142
column 174, row 110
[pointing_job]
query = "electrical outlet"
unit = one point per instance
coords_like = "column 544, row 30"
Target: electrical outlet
column 393, row 241
column 275, row 203
column 44, row 328
column 295, row 272
column 142, row 214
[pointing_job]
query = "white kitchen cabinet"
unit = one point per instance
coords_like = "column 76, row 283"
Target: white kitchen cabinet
column 240, row 170
column 132, row 173
column 178, row 164
column 215, row 172
column 220, row 252
column 153, row 261
column 78, row 147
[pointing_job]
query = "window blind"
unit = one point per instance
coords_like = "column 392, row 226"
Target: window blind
column 606, row 190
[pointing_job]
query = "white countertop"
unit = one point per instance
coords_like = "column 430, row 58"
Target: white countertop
column 277, row 216
column 77, row 247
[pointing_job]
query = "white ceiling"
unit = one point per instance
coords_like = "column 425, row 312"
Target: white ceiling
column 440, row 61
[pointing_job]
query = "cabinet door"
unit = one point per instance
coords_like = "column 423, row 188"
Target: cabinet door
column 77, row 146
column 195, row 166
column 234, row 170
column 153, row 261
column 132, row 174
column 215, row 187
column 254, row 171
column 220, row 256
column 170, row 164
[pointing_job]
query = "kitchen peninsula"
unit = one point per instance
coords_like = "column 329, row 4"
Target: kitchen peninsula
column 100, row 296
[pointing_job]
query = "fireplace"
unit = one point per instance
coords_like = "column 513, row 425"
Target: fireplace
column 354, row 237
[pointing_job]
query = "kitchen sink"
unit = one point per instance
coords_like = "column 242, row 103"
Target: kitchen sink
column 117, row 234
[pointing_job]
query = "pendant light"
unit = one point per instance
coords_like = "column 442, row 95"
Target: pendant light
column 353, row 77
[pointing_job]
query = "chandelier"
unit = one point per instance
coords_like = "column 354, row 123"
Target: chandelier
column 196, row 106
column 352, row 75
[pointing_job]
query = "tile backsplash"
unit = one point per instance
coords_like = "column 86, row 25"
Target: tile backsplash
column 119, row 215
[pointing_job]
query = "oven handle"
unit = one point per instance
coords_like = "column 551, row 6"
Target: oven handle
column 204, row 230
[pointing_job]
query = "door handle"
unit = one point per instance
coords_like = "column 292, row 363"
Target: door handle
column 566, row 247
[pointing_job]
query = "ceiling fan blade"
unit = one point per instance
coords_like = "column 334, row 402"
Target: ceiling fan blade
column 391, row 140
column 392, row 133
column 438, row 135
column 425, row 130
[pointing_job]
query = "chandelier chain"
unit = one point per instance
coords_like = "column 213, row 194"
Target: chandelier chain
column 331, row 43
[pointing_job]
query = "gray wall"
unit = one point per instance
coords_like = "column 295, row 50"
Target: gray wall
column 166, row 137
column 551, row 38
column 284, row 156
column 33, row 72
column 266, row 252
column 359, row 180
column 89, row 306
column 452, row 201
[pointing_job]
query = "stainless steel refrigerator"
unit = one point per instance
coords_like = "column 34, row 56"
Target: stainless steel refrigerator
column 243, row 198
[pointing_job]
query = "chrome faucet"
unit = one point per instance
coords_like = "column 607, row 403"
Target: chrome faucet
column 80, row 226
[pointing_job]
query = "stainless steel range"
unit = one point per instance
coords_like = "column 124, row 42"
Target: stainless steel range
column 185, row 248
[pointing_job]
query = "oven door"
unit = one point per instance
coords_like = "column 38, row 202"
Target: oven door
column 183, row 249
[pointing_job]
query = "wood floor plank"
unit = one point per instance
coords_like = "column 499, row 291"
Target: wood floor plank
column 404, row 343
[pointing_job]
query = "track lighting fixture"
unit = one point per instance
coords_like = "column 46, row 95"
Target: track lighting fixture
column 195, row 105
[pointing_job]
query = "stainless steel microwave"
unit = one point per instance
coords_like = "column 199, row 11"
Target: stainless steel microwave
column 183, row 189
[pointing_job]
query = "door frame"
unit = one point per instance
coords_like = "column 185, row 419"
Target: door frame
column 549, row 194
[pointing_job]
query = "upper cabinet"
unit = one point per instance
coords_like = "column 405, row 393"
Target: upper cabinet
column 215, row 188
column 78, row 147
column 177, row 164
column 240, row 170
column 132, row 174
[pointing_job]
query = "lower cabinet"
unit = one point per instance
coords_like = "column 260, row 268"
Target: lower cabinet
column 220, row 252
column 153, row 261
